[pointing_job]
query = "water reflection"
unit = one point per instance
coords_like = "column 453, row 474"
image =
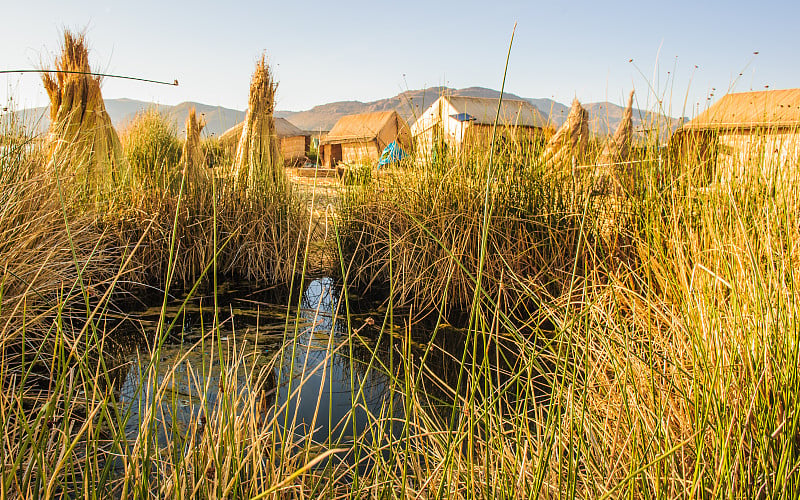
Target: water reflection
column 304, row 369
column 324, row 389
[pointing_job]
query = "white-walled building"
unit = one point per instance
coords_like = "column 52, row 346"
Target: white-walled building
column 457, row 120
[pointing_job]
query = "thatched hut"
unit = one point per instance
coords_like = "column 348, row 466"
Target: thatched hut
column 740, row 131
column 258, row 159
column 82, row 142
column 361, row 138
column 456, row 121
column 294, row 143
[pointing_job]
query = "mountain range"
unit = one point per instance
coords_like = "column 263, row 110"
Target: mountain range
column 603, row 116
column 123, row 111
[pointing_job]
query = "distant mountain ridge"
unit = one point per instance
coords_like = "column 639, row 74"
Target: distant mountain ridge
column 123, row 111
column 409, row 104
column 604, row 117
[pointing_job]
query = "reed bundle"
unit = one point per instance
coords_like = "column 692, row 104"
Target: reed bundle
column 571, row 139
column 258, row 159
column 613, row 159
column 193, row 157
column 83, row 145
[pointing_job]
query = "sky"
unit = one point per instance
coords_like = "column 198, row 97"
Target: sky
column 676, row 52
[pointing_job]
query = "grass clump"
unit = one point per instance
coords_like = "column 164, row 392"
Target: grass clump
column 256, row 233
column 153, row 150
column 193, row 159
column 420, row 229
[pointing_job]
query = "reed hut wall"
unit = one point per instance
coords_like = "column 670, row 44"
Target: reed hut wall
column 294, row 142
column 361, row 138
column 459, row 121
column 742, row 131
column 295, row 147
column 481, row 135
column 361, row 152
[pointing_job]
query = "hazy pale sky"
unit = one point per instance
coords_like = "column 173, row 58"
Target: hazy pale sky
column 325, row 51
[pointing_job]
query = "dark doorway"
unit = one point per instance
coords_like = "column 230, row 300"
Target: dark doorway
column 336, row 154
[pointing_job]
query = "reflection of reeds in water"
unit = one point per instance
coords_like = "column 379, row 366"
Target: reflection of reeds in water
column 334, row 393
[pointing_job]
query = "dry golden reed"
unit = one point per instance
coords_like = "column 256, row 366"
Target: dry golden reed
column 193, row 158
column 258, row 154
column 615, row 154
column 83, row 144
column 571, row 139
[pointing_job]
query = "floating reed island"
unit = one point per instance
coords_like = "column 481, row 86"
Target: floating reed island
column 631, row 315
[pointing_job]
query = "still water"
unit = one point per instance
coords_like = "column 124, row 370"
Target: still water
column 307, row 376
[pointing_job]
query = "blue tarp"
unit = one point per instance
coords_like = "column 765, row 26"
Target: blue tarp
column 391, row 154
column 463, row 117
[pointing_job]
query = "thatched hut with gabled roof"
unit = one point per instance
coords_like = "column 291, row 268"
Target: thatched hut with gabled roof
column 456, row 121
column 361, row 138
column 294, row 143
column 741, row 131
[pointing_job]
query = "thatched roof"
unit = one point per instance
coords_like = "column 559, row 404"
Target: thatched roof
column 362, row 127
column 769, row 108
column 483, row 111
column 283, row 127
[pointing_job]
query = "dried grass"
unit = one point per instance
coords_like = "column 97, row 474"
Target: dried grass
column 615, row 155
column 258, row 159
column 193, row 157
column 83, row 145
column 571, row 139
